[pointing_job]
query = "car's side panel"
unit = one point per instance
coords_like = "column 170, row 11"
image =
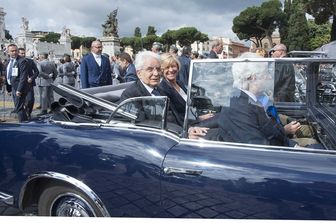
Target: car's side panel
column 218, row 180
column 121, row 165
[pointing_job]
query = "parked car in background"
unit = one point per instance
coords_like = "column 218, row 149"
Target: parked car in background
column 94, row 157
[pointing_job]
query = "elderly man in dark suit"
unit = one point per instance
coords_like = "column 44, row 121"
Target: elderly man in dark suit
column 95, row 69
column 17, row 80
column 216, row 48
column 148, row 68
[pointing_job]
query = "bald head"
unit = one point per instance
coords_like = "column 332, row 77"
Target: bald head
column 279, row 50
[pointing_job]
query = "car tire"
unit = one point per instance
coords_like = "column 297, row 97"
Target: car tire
column 64, row 201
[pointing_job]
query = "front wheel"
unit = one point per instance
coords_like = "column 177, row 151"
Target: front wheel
column 63, row 201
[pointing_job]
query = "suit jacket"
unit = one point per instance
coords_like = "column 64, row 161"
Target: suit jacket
column 33, row 71
column 69, row 73
column 284, row 82
column 20, row 82
column 245, row 121
column 130, row 73
column 137, row 89
column 213, row 55
column 46, row 68
column 184, row 70
column 175, row 98
column 93, row 75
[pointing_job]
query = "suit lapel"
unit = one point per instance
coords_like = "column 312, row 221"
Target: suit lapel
column 142, row 89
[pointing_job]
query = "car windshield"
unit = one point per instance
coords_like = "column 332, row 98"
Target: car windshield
column 212, row 83
column 289, row 86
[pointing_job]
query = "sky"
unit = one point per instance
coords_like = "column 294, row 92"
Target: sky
column 85, row 17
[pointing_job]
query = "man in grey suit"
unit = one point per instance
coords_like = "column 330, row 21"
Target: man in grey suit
column 47, row 74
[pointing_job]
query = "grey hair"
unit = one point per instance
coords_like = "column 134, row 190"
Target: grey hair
column 142, row 57
column 242, row 71
column 216, row 42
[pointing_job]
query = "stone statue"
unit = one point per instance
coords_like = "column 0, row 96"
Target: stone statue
column 65, row 32
column 25, row 24
column 111, row 25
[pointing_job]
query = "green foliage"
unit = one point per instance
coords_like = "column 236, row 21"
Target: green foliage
column 127, row 41
column 149, row 40
column 169, row 38
column 187, row 35
column 318, row 34
column 258, row 22
column 151, row 31
column 7, row 35
column 137, row 32
column 298, row 30
column 322, row 11
column 75, row 42
column 51, row 37
column 283, row 25
column 86, row 41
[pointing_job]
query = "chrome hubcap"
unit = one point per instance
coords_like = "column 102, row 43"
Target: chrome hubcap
column 71, row 207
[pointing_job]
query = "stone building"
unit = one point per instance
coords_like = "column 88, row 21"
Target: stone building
column 231, row 48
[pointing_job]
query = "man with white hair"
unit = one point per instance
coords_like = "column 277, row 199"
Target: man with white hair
column 216, row 49
column 245, row 120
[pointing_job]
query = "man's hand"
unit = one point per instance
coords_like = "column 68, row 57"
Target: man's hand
column 197, row 132
column 51, row 75
column 30, row 80
column 18, row 94
column 292, row 127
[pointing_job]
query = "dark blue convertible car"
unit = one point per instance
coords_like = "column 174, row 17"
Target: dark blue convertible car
column 94, row 157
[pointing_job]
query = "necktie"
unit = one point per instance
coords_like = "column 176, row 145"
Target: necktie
column 155, row 92
column 9, row 76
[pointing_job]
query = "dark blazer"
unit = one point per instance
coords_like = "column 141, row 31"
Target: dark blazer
column 213, row 55
column 137, row 89
column 175, row 98
column 20, row 82
column 33, row 70
column 284, row 82
column 93, row 75
column 246, row 121
column 184, row 70
column 130, row 73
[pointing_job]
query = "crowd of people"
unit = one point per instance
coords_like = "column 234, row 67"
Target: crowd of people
column 153, row 73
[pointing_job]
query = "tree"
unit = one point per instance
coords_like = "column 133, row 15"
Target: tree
column 258, row 22
column 51, row 37
column 318, row 34
column 298, row 30
column 149, row 40
column 86, row 41
column 187, row 35
column 75, row 42
column 283, row 25
column 137, row 32
column 169, row 38
column 151, row 31
column 322, row 11
column 244, row 26
column 7, row 35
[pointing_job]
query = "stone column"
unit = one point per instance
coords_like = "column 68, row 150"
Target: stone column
column 2, row 25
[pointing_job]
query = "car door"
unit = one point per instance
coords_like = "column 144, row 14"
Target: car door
column 230, row 180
